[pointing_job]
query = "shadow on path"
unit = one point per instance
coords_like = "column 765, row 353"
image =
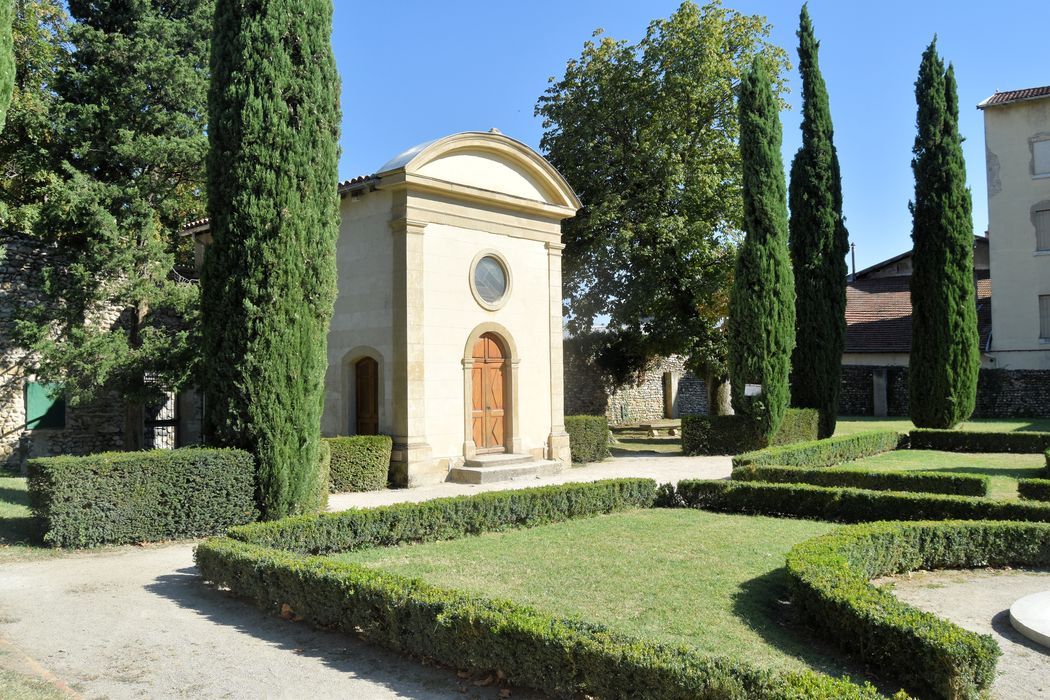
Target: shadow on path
column 404, row 676
column 1001, row 625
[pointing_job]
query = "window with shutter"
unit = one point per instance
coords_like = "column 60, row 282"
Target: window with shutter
column 1044, row 317
column 1042, row 229
column 1041, row 158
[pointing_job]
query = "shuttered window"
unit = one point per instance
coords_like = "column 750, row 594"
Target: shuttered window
column 45, row 407
column 1044, row 317
column 1041, row 157
column 1042, row 229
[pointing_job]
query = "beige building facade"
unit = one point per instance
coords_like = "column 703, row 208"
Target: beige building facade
column 1017, row 149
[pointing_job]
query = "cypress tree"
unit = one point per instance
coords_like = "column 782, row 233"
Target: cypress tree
column 7, row 58
column 269, row 277
column 762, row 301
column 819, row 243
column 945, row 356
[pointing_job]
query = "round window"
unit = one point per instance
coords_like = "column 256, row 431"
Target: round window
column 490, row 279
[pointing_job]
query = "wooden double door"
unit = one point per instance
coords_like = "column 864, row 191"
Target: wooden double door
column 489, row 389
column 366, row 383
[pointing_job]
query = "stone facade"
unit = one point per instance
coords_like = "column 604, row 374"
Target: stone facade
column 668, row 382
column 1001, row 393
column 97, row 427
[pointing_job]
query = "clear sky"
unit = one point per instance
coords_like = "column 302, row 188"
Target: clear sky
column 414, row 70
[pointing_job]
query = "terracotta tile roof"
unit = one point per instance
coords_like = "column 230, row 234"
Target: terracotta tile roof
column 878, row 314
column 1002, row 98
column 344, row 187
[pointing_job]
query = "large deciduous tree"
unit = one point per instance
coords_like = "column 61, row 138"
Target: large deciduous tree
column 819, row 243
column 647, row 136
column 7, row 57
column 269, row 277
column 128, row 172
column 945, row 352
column 762, row 304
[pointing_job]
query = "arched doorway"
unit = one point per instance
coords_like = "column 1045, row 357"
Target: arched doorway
column 366, row 396
column 489, row 418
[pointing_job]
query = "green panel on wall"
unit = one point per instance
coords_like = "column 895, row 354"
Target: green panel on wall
column 45, row 407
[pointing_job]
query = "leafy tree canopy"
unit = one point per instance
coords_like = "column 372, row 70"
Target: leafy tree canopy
column 7, row 58
column 647, row 136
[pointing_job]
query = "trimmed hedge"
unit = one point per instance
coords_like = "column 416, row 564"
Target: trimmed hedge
column 1034, row 489
column 849, row 505
column 730, row 435
column 324, row 475
column 447, row 518
column 976, row 441
column 1048, row 464
column 588, row 438
column 359, row 462
column 830, row 587
column 823, row 453
column 922, row 482
column 563, row 658
column 125, row 497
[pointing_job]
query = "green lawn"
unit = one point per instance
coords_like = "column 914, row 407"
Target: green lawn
column 715, row 582
column 18, row 534
column 1004, row 469
column 848, row 425
column 631, row 442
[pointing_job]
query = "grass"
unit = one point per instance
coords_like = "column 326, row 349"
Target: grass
column 711, row 581
column 19, row 538
column 632, row 442
column 15, row 686
column 847, row 425
column 1003, row 469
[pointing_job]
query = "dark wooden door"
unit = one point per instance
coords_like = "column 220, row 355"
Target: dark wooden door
column 488, row 382
column 366, row 380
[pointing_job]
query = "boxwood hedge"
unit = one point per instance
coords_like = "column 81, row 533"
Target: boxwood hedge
column 824, row 453
column 588, row 438
column 125, row 497
column 849, row 505
column 976, row 441
column 562, row 658
column 447, row 518
column 359, row 462
column 830, row 588
column 922, row 482
column 1034, row 489
column 271, row 564
column 730, row 435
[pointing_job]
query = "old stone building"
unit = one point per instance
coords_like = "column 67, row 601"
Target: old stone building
column 34, row 418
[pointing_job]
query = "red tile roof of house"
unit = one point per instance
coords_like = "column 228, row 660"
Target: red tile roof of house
column 1002, row 98
column 878, row 314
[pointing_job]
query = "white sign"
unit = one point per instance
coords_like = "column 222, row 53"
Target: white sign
column 752, row 390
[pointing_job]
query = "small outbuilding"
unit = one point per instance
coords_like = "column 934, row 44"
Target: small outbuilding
column 447, row 329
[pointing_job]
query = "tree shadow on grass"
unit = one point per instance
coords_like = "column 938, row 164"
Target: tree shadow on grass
column 1012, row 472
column 762, row 603
column 405, row 676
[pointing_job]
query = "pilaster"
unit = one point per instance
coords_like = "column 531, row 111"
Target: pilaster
column 558, row 447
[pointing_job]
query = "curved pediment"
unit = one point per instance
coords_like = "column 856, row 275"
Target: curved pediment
column 487, row 161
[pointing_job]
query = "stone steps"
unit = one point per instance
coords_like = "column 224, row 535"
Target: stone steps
column 485, row 469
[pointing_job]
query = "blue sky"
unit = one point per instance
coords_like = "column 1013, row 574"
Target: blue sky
column 415, row 70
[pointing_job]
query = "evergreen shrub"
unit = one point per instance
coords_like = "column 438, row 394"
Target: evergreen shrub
column 126, row 497
column 588, row 438
column 849, row 505
column 976, row 441
column 560, row 657
column 830, row 589
column 447, row 518
column 1034, row 489
column 359, row 462
column 824, row 453
column 921, row 482
column 731, row 435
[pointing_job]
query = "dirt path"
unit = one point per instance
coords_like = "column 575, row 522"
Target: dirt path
column 980, row 601
column 138, row 623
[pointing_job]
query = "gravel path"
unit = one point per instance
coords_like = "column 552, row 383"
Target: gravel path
column 653, row 465
column 980, row 601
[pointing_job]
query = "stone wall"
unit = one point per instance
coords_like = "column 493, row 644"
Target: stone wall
column 1001, row 393
column 97, row 427
column 586, row 392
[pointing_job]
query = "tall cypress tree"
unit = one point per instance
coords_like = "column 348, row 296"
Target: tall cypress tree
column 7, row 58
column 945, row 354
column 762, row 302
column 269, row 277
column 819, row 243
